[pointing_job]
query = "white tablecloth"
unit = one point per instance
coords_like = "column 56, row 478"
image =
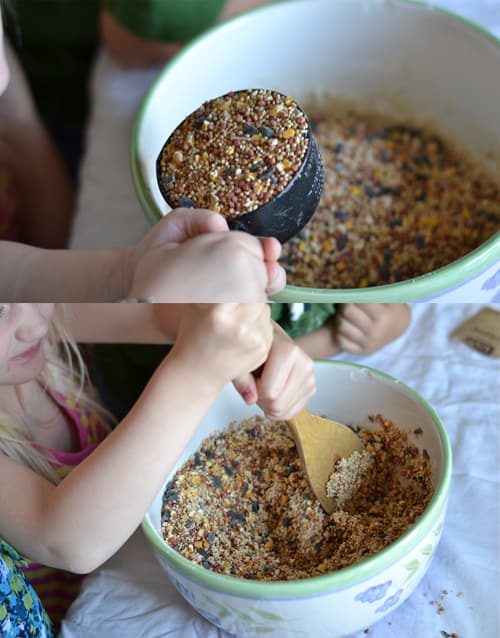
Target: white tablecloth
column 130, row 596
column 108, row 211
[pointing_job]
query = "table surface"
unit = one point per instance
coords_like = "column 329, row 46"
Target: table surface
column 108, row 211
column 131, row 596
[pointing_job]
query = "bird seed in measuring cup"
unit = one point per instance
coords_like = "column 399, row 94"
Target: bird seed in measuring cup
column 235, row 153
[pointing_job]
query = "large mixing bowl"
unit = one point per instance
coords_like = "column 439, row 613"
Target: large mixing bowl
column 343, row 602
column 401, row 57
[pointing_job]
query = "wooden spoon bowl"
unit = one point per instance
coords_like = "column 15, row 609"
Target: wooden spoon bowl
column 321, row 443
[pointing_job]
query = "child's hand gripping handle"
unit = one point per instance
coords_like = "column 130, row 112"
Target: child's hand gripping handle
column 284, row 383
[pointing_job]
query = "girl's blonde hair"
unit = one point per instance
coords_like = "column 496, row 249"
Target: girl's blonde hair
column 66, row 373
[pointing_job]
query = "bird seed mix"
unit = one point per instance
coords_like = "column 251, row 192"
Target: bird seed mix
column 347, row 476
column 398, row 202
column 235, row 153
column 242, row 505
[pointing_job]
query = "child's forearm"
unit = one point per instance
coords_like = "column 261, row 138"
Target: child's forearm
column 29, row 274
column 130, row 50
column 95, row 509
column 235, row 7
column 321, row 343
column 44, row 197
column 124, row 323
column 47, row 200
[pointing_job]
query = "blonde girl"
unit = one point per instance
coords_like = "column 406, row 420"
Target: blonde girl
column 73, row 490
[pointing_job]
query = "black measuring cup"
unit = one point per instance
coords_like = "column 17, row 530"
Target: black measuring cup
column 289, row 210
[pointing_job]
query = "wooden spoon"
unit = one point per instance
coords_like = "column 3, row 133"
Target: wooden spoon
column 320, row 443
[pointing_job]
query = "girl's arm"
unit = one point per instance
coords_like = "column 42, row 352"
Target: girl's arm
column 183, row 258
column 235, row 7
column 129, row 49
column 45, row 197
column 100, row 275
column 34, row 274
column 124, row 323
column 81, row 522
column 321, row 343
column 85, row 519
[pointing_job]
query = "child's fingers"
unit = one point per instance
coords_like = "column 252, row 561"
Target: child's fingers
column 183, row 223
column 253, row 245
column 205, row 221
column 246, row 387
column 298, row 391
column 350, row 330
column 348, row 345
column 276, row 278
column 287, row 379
column 372, row 310
column 276, row 275
column 274, row 376
column 187, row 223
column 357, row 315
column 294, row 407
column 271, row 248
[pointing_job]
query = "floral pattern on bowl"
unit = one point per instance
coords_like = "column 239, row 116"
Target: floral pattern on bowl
column 369, row 600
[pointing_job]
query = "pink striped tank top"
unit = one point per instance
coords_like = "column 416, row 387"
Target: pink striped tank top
column 57, row 588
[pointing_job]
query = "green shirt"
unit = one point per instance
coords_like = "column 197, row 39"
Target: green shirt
column 301, row 319
column 165, row 20
column 56, row 41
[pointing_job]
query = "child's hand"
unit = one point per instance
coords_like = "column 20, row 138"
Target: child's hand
column 285, row 383
column 190, row 256
column 365, row 328
column 220, row 342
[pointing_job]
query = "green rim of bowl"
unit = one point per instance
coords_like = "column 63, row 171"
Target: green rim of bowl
column 424, row 286
column 344, row 577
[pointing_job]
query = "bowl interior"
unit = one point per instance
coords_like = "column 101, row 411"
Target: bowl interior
column 347, row 393
column 402, row 57
column 444, row 70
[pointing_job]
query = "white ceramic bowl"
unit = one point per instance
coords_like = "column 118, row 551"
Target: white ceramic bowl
column 403, row 57
column 349, row 600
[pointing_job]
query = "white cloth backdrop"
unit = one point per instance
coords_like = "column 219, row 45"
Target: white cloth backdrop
column 130, row 596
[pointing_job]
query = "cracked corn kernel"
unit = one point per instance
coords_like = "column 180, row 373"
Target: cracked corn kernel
column 178, row 157
column 213, row 202
column 257, row 187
